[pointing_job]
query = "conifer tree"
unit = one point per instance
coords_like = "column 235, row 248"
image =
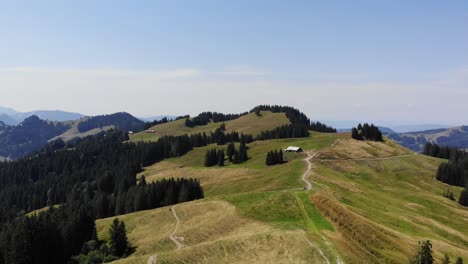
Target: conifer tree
column 230, row 151
column 446, row 259
column 221, row 158
column 463, row 199
column 459, row 261
column 118, row 238
column 424, row 254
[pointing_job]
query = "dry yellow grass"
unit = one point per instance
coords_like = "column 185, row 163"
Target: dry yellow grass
column 213, row 232
column 347, row 148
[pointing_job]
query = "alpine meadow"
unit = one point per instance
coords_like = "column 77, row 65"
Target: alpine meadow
column 237, row 132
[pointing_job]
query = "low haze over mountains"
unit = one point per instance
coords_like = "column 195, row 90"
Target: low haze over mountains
column 12, row 117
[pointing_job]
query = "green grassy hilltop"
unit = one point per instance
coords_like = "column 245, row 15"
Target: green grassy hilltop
column 370, row 203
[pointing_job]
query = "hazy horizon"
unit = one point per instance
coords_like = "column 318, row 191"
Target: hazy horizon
column 396, row 61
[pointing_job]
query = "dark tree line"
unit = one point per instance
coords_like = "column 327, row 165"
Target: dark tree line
column 274, row 157
column 455, row 171
column 157, row 122
column 50, row 237
column 321, row 127
column 366, row 132
column 443, row 152
column 219, row 137
column 285, row 131
column 206, row 117
column 296, row 117
column 122, row 121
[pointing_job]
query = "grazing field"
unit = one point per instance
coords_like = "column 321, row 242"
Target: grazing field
column 247, row 124
column 250, row 176
column 213, row 232
column 370, row 203
column 397, row 198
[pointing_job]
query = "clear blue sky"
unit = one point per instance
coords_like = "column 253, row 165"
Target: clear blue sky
column 332, row 59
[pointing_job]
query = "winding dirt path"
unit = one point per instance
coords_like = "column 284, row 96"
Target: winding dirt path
column 152, row 259
column 371, row 159
column 171, row 236
column 317, row 248
column 309, row 167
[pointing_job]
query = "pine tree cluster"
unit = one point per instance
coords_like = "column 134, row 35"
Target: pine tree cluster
column 158, row 122
column 366, row 132
column 296, row 117
column 285, row 131
column 98, row 251
column 214, row 157
column 443, row 152
column 219, row 137
column 206, row 117
column 449, row 194
column 454, row 172
column 274, row 157
column 424, row 255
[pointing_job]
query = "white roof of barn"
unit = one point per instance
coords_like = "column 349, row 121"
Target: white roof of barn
column 291, row 148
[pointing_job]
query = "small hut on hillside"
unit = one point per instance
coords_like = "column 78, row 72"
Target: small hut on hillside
column 292, row 149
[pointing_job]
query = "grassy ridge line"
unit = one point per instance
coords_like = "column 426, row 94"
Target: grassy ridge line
column 247, row 124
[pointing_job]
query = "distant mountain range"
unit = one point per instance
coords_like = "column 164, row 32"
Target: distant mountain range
column 12, row 117
column 453, row 137
column 34, row 133
column 157, row 118
column 397, row 127
column 416, row 136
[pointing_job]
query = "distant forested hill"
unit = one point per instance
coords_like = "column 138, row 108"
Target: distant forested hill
column 122, row 121
column 452, row 137
column 34, row 133
column 30, row 135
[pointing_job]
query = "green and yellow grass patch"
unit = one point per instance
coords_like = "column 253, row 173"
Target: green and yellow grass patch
column 247, row 124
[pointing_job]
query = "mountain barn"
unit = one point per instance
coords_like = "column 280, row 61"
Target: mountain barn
column 292, row 149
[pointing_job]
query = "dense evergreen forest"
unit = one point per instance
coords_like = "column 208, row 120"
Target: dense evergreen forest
column 122, row 121
column 443, row 152
column 90, row 179
column 366, row 132
column 95, row 177
column 455, row 171
column 285, row 131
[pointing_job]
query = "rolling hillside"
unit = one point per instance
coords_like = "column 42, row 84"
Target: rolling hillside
column 370, row 203
column 247, row 124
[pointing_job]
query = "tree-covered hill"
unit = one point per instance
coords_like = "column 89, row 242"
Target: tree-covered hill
column 34, row 133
